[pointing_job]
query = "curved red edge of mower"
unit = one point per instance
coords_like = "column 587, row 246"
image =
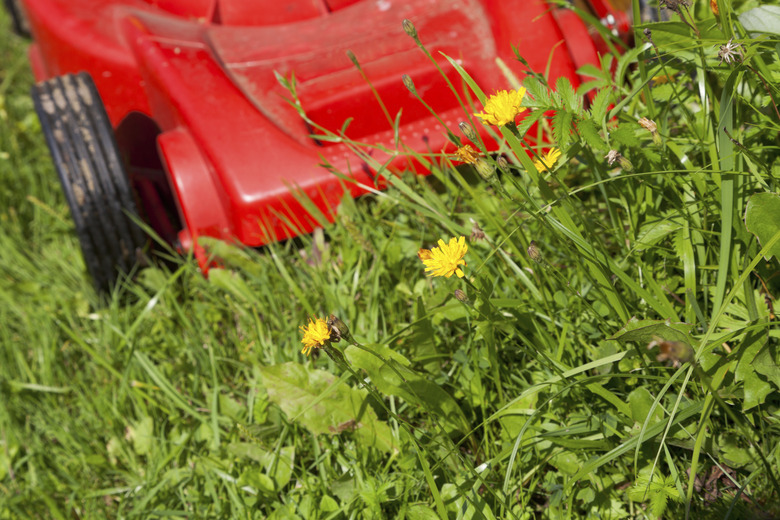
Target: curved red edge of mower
column 208, row 140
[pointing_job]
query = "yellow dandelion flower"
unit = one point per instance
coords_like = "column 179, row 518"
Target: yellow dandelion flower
column 547, row 161
column 315, row 334
column 446, row 259
column 467, row 154
column 502, row 107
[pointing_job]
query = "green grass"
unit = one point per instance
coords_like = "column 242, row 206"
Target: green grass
column 536, row 398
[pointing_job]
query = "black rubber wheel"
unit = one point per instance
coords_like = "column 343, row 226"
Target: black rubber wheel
column 18, row 19
column 82, row 145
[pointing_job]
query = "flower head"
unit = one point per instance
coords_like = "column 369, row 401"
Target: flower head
column 467, row 154
column 731, row 52
column 315, row 335
column 446, row 259
column 648, row 124
column 502, row 107
column 546, row 162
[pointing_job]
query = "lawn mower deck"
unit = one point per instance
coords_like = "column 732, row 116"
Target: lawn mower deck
column 196, row 133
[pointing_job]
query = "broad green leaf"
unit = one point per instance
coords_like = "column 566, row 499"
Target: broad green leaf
column 762, row 218
column 231, row 282
column 421, row 512
column 413, row 388
column 655, row 230
column 765, row 18
column 278, row 464
column 643, row 331
column 567, row 462
column 756, row 390
column 142, row 435
column 255, row 477
column 294, row 387
column 640, row 402
column 766, row 363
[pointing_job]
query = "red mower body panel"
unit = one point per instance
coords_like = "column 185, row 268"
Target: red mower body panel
column 238, row 158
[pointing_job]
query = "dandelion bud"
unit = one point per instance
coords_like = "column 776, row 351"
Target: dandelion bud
column 409, row 84
column 503, row 165
column 477, row 233
column 468, row 131
column 486, row 170
column 353, row 58
column 338, row 329
column 675, row 351
column 409, row 28
column 461, row 296
column 534, row 253
column 625, row 164
column 614, row 156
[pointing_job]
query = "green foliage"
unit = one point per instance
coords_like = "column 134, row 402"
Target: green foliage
column 623, row 365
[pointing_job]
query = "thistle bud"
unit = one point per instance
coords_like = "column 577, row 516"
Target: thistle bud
column 468, row 131
column 409, row 84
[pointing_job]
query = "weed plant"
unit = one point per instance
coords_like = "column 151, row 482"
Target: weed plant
column 610, row 352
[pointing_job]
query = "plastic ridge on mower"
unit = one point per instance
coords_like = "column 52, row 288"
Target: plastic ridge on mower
column 196, row 133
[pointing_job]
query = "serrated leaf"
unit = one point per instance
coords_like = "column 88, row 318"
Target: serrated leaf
column 528, row 121
column 569, row 97
column 562, row 128
column 625, row 135
column 537, row 94
column 762, row 218
column 589, row 133
column 293, row 387
column 600, row 104
column 658, row 490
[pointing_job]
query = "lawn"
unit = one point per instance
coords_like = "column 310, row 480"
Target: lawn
column 610, row 352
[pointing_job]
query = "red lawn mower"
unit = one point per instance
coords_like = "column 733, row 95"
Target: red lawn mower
column 172, row 109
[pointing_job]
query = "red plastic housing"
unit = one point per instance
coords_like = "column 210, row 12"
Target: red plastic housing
column 199, row 79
